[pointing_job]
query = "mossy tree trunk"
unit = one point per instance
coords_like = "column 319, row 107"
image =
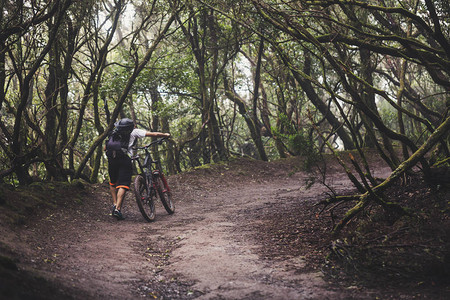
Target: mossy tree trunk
column 437, row 136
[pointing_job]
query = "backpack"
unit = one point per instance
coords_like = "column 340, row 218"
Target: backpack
column 119, row 138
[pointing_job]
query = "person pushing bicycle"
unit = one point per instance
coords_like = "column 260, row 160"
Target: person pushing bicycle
column 118, row 150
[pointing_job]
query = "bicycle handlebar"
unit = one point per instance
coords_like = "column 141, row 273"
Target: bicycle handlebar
column 158, row 141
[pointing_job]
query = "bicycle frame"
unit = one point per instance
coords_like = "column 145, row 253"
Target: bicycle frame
column 146, row 167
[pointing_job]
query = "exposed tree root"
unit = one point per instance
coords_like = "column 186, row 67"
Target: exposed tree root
column 402, row 168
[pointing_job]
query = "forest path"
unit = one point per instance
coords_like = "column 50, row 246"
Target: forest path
column 214, row 251
column 206, row 250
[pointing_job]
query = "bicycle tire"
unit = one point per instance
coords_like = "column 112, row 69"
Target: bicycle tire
column 165, row 195
column 144, row 201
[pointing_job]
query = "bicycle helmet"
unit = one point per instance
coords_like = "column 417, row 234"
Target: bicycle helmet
column 124, row 124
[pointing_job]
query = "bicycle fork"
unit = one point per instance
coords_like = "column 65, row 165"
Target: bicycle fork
column 157, row 174
column 166, row 188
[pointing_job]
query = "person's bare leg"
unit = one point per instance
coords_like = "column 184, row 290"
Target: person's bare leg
column 120, row 195
column 113, row 191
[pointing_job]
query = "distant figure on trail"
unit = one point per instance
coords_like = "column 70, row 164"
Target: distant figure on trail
column 118, row 150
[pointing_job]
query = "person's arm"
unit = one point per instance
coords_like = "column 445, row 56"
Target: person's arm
column 157, row 134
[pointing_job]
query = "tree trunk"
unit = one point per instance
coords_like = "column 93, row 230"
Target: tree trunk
column 400, row 92
column 215, row 135
column 2, row 72
column 250, row 123
column 97, row 158
column 317, row 102
column 257, row 82
column 170, row 161
column 155, row 97
column 53, row 166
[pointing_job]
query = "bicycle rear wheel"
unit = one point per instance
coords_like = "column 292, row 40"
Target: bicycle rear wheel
column 165, row 195
column 144, row 198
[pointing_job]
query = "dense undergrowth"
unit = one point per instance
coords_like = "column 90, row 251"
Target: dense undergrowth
column 380, row 247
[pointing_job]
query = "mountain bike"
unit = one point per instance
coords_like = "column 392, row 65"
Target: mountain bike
column 151, row 184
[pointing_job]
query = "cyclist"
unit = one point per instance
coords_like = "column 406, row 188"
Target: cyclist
column 119, row 163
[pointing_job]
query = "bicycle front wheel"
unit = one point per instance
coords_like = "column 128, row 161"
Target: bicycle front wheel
column 144, row 199
column 165, row 195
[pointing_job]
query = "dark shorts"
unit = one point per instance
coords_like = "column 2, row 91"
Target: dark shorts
column 120, row 171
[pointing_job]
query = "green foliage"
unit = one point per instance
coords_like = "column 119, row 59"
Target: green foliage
column 388, row 115
column 304, row 147
column 298, row 142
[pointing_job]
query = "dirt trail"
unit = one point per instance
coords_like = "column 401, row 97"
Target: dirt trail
column 204, row 251
column 217, row 257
